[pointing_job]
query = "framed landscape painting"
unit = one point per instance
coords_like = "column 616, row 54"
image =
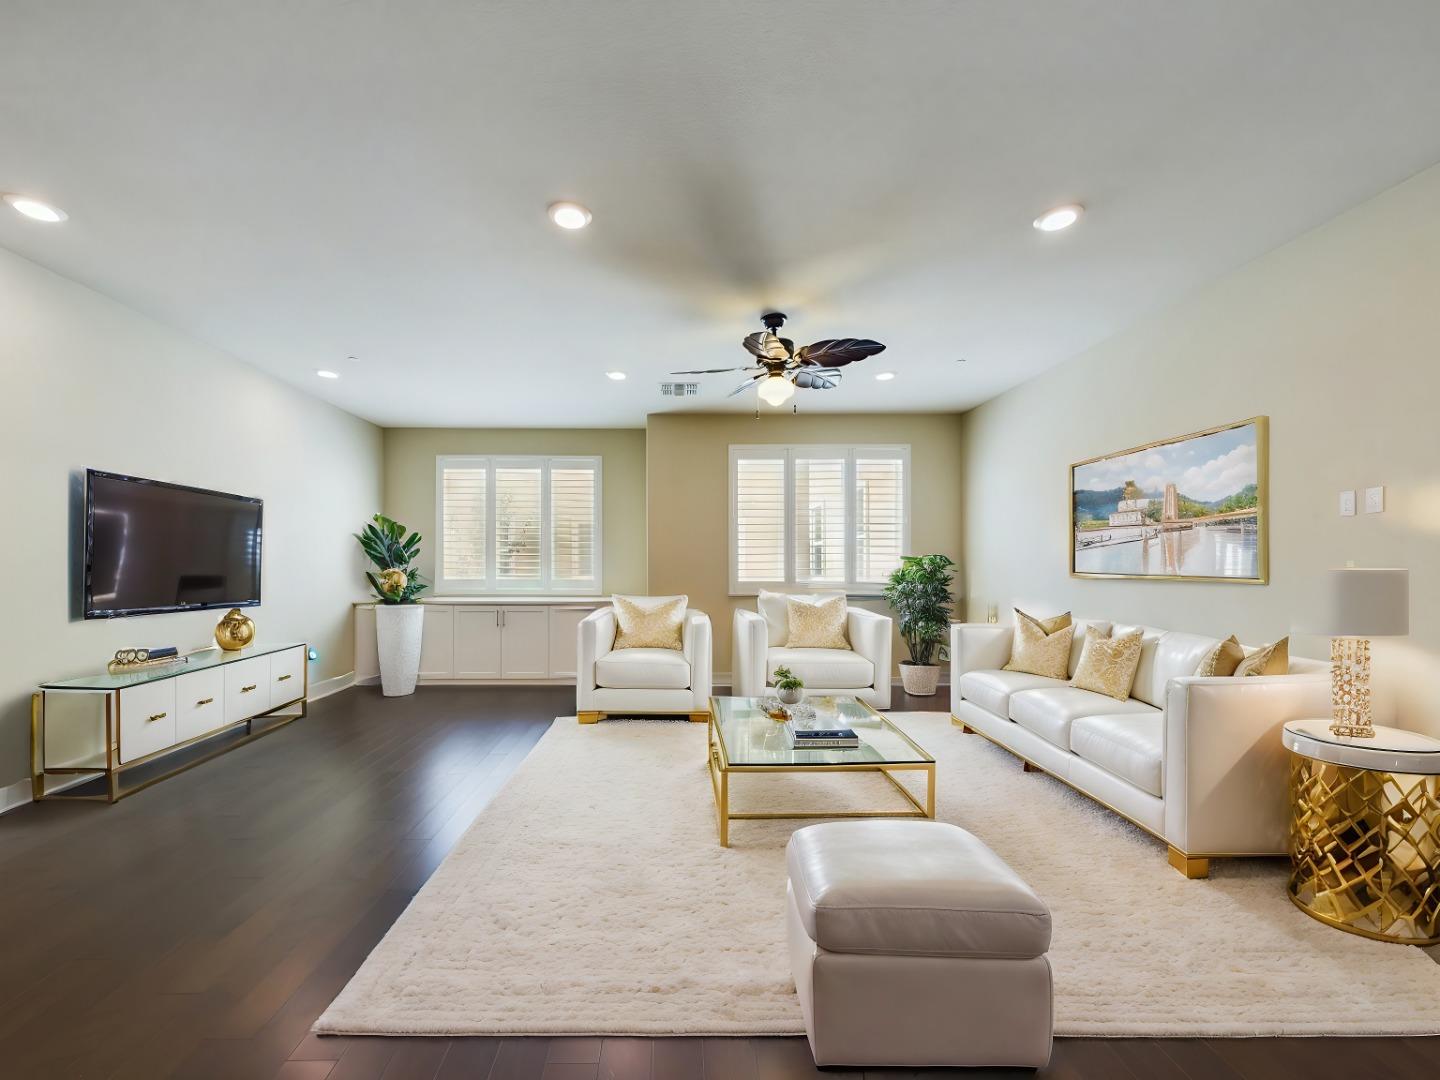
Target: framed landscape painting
column 1191, row 508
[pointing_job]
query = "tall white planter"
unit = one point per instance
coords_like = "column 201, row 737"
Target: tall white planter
column 398, row 630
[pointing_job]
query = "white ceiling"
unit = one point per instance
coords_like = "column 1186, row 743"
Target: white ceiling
column 297, row 183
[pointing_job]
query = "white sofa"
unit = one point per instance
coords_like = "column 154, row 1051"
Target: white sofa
column 1195, row 761
column 861, row 671
column 630, row 682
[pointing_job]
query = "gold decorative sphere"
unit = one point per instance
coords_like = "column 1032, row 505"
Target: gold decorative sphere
column 234, row 631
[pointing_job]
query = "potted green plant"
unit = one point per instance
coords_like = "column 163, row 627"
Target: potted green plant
column 399, row 618
column 919, row 594
column 788, row 687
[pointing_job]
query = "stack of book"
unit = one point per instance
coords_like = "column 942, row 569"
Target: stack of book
column 824, row 739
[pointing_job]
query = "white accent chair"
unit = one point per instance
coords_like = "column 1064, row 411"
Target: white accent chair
column 642, row 682
column 861, row 671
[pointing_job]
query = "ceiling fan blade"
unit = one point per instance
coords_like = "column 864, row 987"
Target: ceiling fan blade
column 712, row 371
column 810, row 379
column 766, row 346
column 744, row 386
column 834, row 352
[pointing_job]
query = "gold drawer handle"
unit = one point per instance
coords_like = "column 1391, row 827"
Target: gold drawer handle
column 204, row 701
column 247, row 689
column 157, row 716
column 282, row 678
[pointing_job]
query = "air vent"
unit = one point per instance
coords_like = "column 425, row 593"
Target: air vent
column 679, row 389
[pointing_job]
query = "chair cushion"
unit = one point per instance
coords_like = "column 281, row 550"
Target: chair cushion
column 775, row 608
column 833, row 668
column 911, row 888
column 1130, row 745
column 649, row 622
column 643, row 669
column 1049, row 713
column 991, row 690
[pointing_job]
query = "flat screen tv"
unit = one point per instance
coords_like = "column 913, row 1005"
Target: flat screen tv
column 152, row 547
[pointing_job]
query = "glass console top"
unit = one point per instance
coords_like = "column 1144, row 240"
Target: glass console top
column 196, row 661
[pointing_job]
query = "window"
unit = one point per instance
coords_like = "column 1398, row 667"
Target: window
column 512, row 524
column 817, row 516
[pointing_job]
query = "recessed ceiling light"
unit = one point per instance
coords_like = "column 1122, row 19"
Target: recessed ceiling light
column 569, row 215
column 618, row 376
column 328, row 374
column 34, row 208
column 1062, row 217
column 884, row 376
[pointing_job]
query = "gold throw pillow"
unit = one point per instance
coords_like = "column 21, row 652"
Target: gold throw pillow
column 817, row 626
column 1050, row 625
column 649, row 622
column 1037, row 653
column 1108, row 664
column 1267, row 660
column 1223, row 659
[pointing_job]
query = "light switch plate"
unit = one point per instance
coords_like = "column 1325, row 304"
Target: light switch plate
column 1375, row 500
column 1347, row 504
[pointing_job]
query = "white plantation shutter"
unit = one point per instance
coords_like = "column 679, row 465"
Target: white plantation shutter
column 759, row 520
column 817, row 516
column 518, row 524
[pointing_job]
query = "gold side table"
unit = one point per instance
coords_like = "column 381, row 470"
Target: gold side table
column 1365, row 831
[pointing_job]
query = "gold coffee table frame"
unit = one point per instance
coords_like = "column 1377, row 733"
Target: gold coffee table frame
column 721, row 769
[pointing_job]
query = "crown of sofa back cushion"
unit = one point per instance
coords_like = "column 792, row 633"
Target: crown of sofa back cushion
column 1166, row 655
column 772, row 606
column 1082, row 626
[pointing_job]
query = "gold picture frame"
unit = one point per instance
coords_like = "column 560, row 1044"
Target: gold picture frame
column 1150, row 536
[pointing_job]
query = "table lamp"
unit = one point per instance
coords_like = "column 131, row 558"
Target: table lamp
column 1359, row 604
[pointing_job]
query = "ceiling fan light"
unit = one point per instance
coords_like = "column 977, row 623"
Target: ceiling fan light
column 776, row 390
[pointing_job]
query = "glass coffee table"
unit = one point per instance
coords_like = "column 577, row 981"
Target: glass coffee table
column 743, row 739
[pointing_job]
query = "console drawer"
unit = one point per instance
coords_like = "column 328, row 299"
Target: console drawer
column 287, row 676
column 247, row 688
column 199, row 703
column 147, row 719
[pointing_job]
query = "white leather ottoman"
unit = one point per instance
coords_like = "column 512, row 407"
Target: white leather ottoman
column 913, row 944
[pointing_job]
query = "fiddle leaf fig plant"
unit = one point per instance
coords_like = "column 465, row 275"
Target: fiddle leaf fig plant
column 919, row 594
column 386, row 544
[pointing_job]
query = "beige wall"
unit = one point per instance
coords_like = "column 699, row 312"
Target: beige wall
column 688, row 459
column 91, row 383
column 410, row 484
column 1335, row 338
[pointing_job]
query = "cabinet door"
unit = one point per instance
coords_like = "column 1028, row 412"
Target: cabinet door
column 437, row 643
column 247, row 688
column 477, row 643
column 564, row 641
column 147, row 719
column 287, row 677
column 525, row 642
column 199, row 703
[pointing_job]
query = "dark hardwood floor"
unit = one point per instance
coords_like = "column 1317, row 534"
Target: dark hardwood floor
column 198, row 929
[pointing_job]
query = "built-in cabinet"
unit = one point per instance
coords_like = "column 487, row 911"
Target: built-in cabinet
column 467, row 640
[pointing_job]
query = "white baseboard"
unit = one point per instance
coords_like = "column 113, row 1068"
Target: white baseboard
column 325, row 687
column 16, row 795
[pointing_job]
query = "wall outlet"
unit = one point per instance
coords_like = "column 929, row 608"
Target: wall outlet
column 1375, row 500
column 1347, row 504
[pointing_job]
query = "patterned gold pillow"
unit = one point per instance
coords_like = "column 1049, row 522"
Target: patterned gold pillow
column 649, row 622
column 1267, row 660
column 1108, row 664
column 1038, row 653
column 816, row 626
column 1223, row 659
column 1050, row 625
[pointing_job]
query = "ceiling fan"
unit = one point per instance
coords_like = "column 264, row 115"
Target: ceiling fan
column 781, row 367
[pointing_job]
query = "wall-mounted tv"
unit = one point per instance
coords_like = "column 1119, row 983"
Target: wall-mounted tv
column 152, row 547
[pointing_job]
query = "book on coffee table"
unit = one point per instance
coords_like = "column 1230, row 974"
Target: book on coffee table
column 824, row 738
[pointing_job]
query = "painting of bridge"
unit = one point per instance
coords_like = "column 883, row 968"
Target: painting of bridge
column 1190, row 508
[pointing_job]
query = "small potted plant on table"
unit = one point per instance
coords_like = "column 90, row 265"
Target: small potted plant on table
column 919, row 593
column 788, row 687
column 399, row 618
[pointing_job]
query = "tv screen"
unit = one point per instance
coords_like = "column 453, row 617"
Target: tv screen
column 153, row 547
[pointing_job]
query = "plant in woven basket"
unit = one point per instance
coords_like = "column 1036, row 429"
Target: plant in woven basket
column 919, row 594
column 386, row 544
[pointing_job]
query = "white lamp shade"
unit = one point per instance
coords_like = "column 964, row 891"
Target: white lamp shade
column 1364, row 602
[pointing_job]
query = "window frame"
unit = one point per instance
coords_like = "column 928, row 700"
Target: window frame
column 788, row 453
column 547, row 584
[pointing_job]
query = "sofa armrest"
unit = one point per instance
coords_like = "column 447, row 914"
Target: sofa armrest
column 870, row 635
column 1226, row 771
column 976, row 647
column 596, row 637
column 747, row 658
column 695, row 639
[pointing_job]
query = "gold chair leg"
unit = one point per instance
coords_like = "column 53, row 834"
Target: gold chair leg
column 1188, row 865
column 589, row 717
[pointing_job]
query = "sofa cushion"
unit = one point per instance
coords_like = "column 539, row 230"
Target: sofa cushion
column 1050, row 712
column 1129, row 745
column 991, row 690
column 1038, row 651
column 832, row 669
column 911, row 888
column 1166, row 655
column 643, row 669
column 774, row 607
column 1107, row 665
column 1077, row 645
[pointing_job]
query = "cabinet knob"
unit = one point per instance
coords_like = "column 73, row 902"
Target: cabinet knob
column 157, row 716
column 282, row 678
column 247, row 689
column 204, row 701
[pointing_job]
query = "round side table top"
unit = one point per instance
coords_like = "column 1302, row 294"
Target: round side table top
column 1391, row 750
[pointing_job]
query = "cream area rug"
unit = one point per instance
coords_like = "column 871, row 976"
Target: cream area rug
column 592, row 897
